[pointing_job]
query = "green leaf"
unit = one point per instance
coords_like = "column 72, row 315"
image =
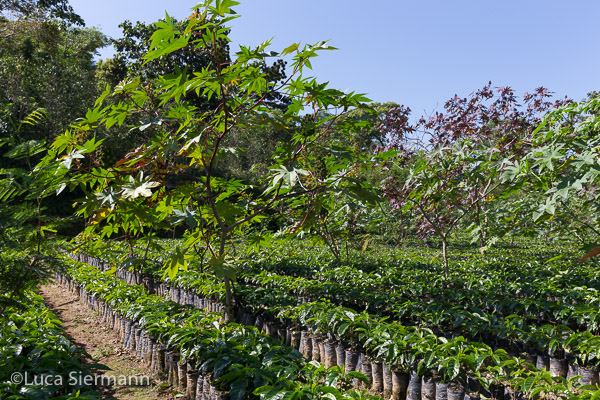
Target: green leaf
column 528, row 384
column 223, row 267
column 238, row 390
column 290, row 49
column 138, row 187
column 453, row 368
column 26, row 150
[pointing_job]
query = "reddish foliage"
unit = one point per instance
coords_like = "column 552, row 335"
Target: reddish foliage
column 489, row 117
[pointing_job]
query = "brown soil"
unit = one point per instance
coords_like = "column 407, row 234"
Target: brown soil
column 84, row 328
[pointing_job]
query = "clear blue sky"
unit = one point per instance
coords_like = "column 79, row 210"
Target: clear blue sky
column 414, row 52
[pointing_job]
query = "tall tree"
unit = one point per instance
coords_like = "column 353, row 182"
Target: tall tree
column 455, row 176
column 23, row 222
column 173, row 177
column 134, row 45
column 46, row 65
column 563, row 163
column 129, row 61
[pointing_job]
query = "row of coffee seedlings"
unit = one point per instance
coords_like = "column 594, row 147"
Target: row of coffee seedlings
column 391, row 385
column 288, row 362
column 496, row 283
column 560, row 362
column 383, row 379
column 153, row 287
column 33, row 348
column 546, row 343
column 500, row 295
column 165, row 365
column 549, row 344
column 327, row 354
column 498, row 287
column 558, row 349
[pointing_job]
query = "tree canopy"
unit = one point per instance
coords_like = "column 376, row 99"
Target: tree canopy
column 41, row 10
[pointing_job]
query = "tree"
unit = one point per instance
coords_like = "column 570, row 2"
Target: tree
column 129, row 61
column 40, row 10
column 370, row 134
column 174, row 176
column 23, row 223
column 250, row 148
column 50, row 66
column 443, row 187
column 44, row 64
column 134, row 45
column 457, row 175
column 334, row 217
column 565, row 169
column 46, row 72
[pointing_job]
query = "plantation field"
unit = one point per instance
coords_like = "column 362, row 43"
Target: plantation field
column 504, row 321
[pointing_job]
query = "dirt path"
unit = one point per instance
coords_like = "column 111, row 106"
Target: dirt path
column 83, row 327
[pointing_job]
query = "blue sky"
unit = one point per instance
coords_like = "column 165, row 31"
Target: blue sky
column 418, row 53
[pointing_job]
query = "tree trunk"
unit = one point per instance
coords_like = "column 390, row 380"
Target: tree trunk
column 445, row 255
column 484, row 231
column 229, row 312
column 480, row 224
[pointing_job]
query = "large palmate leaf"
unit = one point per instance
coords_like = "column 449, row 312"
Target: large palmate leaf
column 138, row 187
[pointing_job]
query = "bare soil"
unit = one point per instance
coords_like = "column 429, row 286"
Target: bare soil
column 84, row 328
